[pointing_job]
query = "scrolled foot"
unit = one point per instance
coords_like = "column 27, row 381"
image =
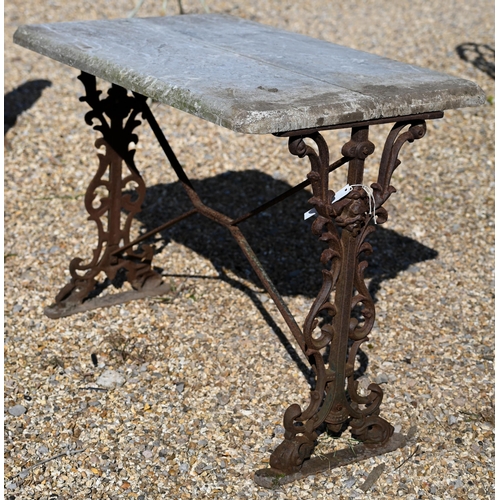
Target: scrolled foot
column 372, row 430
column 291, row 453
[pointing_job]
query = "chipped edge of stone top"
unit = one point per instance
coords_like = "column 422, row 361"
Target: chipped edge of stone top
column 246, row 120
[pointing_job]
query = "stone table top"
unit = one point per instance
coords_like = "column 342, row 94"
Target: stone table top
column 246, row 76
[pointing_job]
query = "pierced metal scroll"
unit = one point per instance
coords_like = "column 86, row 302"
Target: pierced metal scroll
column 113, row 198
column 343, row 313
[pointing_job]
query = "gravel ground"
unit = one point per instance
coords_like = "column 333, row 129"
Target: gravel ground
column 203, row 375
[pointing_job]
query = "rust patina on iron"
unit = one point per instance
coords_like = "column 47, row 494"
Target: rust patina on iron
column 255, row 79
column 343, row 226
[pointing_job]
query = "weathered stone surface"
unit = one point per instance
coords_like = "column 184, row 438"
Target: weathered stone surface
column 245, row 76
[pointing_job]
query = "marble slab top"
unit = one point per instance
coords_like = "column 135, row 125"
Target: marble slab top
column 246, row 76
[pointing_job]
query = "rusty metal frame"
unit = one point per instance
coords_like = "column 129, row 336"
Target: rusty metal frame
column 332, row 323
column 123, row 193
column 343, row 226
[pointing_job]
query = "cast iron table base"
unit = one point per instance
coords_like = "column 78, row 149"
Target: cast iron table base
column 255, row 79
column 341, row 316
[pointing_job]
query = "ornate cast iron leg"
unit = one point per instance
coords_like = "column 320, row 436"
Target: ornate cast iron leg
column 124, row 190
column 343, row 226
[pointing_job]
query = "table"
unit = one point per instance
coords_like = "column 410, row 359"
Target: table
column 255, row 79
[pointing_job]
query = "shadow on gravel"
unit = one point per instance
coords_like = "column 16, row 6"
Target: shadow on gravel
column 21, row 99
column 280, row 237
column 480, row 55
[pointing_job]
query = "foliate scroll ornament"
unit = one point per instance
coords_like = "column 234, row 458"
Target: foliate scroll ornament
column 117, row 106
column 372, row 400
column 372, row 430
column 297, row 446
column 366, row 425
column 329, row 402
column 325, row 405
column 300, row 426
column 114, row 195
column 323, row 227
column 359, row 330
column 360, row 150
column 389, row 161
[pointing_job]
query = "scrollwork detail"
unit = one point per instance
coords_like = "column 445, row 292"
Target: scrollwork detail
column 389, row 161
column 344, row 226
column 371, row 430
column 124, row 192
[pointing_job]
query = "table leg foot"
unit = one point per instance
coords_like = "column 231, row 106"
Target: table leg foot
column 273, row 478
column 63, row 309
column 290, row 455
column 371, row 430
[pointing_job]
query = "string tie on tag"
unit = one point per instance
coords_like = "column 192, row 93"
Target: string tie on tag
column 371, row 199
column 344, row 192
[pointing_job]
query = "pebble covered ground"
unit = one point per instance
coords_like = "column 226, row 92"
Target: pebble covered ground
column 182, row 396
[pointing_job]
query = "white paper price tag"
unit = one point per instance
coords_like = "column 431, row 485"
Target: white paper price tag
column 338, row 196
